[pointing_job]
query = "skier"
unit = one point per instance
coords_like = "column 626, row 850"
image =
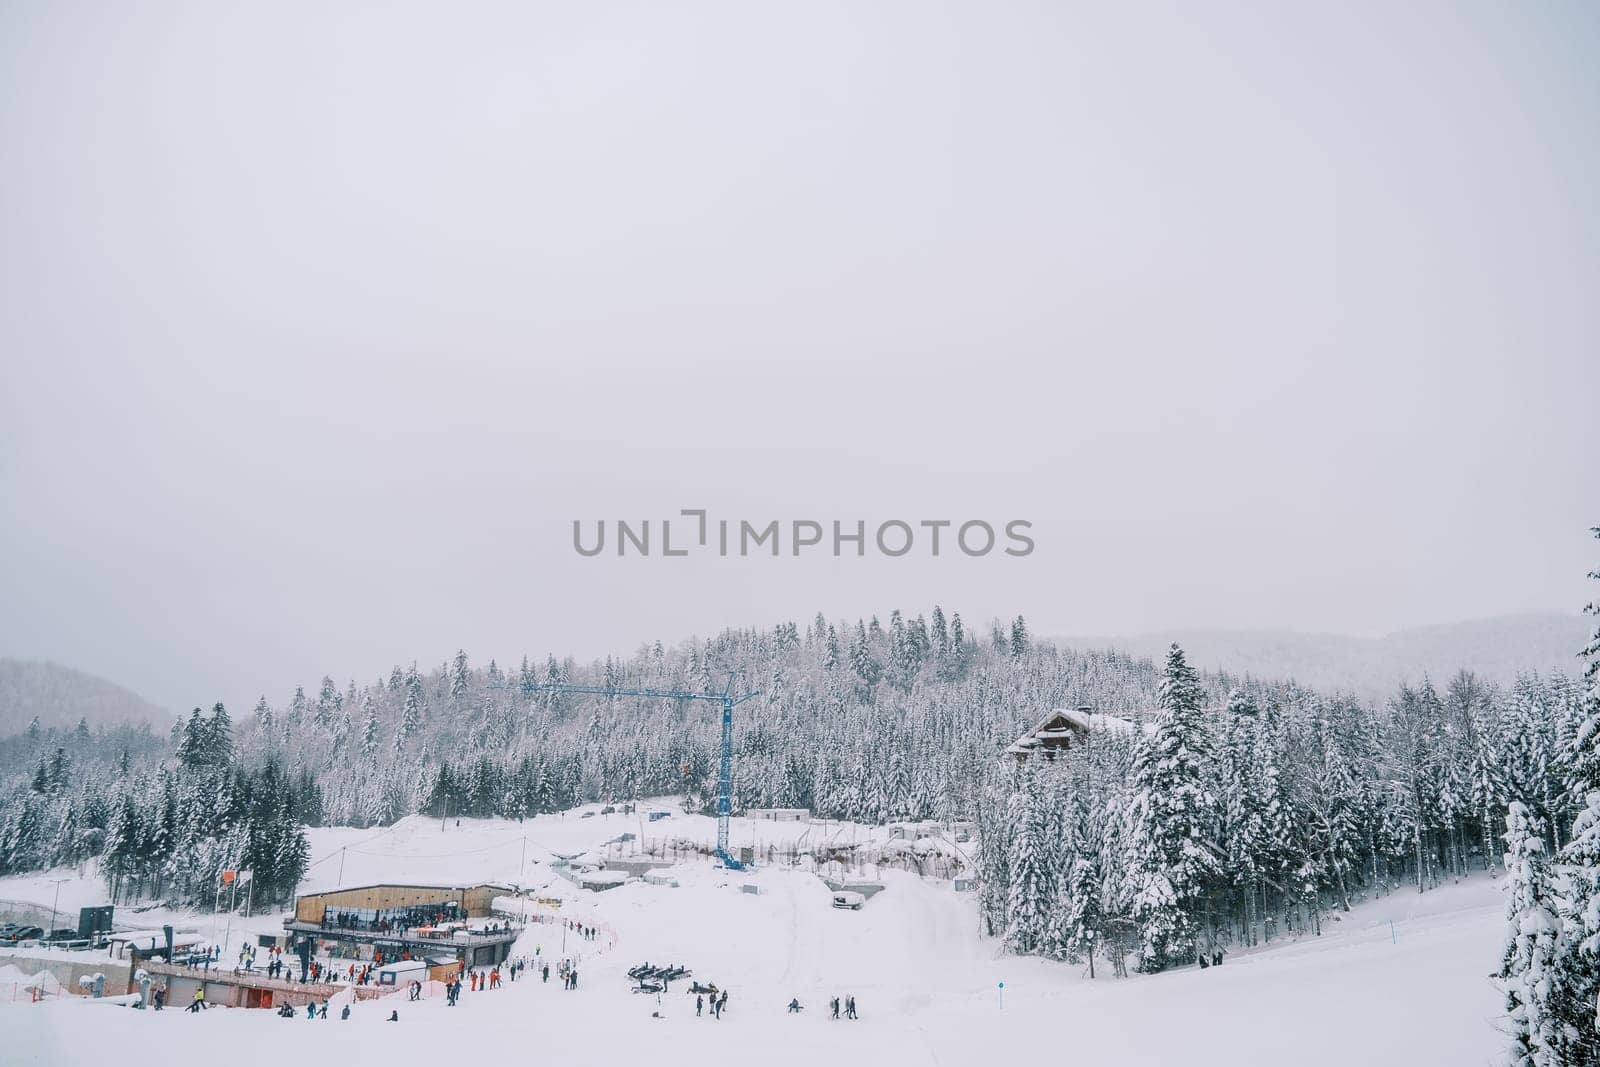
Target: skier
column 323, row 1014
column 794, row 1006
column 344, row 1013
column 699, row 1004
column 199, row 1000
column 311, row 1009
column 394, row 1017
column 850, row 1007
column 160, row 997
column 545, row 974
column 834, row 1006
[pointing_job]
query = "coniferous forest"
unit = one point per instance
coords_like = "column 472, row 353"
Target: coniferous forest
column 1233, row 811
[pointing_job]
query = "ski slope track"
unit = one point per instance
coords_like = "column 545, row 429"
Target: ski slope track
column 1402, row 979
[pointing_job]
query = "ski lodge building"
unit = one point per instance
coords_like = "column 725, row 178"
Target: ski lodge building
column 405, row 921
column 1065, row 729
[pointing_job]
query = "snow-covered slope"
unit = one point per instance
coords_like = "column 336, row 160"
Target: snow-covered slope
column 1496, row 650
column 1400, row 980
column 60, row 696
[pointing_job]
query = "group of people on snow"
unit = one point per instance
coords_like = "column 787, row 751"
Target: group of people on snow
column 719, row 1003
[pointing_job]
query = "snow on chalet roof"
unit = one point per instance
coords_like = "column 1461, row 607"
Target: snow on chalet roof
column 1063, row 724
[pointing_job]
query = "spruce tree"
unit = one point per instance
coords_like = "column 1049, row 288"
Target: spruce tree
column 1578, row 999
column 1019, row 637
column 1170, row 860
column 192, row 745
column 1084, row 918
column 1531, row 965
column 218, row 738
column 1032, row 877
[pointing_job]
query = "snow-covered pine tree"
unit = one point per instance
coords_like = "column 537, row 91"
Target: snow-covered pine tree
column 218, row 738
column 264, row 716
column 411, row 713
column 1084, row 881
column 460, row 680
column 1019, row 637
column 939, row 632
column 1033, row 887
column 1530, row 968
column 1170, row 861
column 192, row 741
column 1578, row 999
column 328, row 703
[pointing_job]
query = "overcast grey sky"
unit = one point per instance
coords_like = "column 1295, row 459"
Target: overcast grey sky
column 319, row 324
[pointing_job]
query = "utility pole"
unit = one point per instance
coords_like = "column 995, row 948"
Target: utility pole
column 53, row 901
column 341, row 866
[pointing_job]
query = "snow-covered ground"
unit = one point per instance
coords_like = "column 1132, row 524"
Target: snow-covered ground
column 1401, row 980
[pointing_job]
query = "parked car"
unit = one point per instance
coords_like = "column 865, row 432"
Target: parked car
column 62, row 934
column 22, row 933
column 847, row 899
column 608, row 810
column 588, row 815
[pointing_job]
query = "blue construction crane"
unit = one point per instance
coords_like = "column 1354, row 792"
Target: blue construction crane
column 725, row 765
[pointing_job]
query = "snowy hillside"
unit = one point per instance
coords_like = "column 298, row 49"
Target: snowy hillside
column 1403, row 976
column 1496, row 650
column 60, row 696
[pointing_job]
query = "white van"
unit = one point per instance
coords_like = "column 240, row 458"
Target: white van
column 846, row 899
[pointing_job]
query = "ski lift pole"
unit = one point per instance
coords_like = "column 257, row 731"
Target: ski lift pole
column 725, row 783
column 233, row 900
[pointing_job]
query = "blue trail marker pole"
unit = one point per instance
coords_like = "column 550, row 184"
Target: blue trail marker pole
column 1002, row 996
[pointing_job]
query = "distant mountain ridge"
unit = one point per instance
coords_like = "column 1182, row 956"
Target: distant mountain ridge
column 1496, row 650
column 60, row 696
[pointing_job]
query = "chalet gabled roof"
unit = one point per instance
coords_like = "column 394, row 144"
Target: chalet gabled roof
column 1063, row 723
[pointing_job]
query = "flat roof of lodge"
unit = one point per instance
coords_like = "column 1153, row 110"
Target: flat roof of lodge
column 444, row 886
column 454, row 939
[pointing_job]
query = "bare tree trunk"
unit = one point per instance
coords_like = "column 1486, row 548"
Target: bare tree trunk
column 1417, row 841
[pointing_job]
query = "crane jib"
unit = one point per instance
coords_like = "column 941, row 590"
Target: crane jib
column 725, row 762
